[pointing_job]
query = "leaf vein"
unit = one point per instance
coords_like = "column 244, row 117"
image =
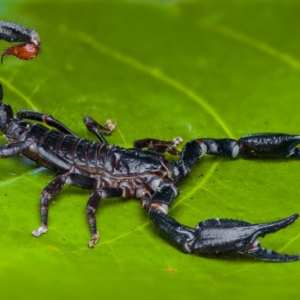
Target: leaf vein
column 154, row 72
column 19, row 93
column 286, row 58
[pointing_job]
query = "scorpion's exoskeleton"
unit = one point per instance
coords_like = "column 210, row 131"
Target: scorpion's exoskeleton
column 112, row 171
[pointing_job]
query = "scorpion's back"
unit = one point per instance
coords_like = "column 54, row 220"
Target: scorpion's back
column 87, row 157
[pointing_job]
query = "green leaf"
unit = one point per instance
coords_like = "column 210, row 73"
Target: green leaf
column 161, row 69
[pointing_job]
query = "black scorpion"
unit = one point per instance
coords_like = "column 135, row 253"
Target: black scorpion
column 112, row 171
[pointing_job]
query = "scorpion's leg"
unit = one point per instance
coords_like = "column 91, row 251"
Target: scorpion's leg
column 94, row 127
column 13, row 149
column 159, row 146
column 93, row 204
column 47, row 119
column 49, row 156
column 16, row 148
column 12, row 32
column 53, row 188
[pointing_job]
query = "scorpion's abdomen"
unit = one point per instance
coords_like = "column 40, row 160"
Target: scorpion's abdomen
column 53, row 140
column 81, row 153
column 67, row 147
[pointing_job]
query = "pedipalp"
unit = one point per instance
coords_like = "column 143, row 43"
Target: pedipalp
column 12, row 32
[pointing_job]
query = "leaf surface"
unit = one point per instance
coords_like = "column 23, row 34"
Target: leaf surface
column 160, row 69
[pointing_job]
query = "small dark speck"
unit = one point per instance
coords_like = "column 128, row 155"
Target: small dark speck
column 216, row 170
column 5, row 195
column 191, row 198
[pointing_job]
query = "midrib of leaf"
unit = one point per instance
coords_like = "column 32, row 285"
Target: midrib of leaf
column 154, row 72
column 264, row 47
column 19, row 93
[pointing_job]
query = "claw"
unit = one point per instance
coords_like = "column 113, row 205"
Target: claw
column 270, row 255
column 24, row 51
column 12, row 32
column 221, row 235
